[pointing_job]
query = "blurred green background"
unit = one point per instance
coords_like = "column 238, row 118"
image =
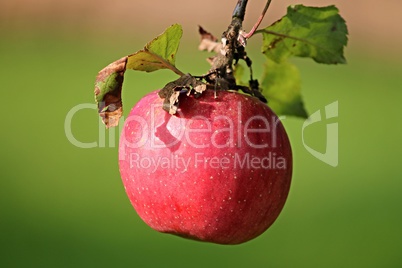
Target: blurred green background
column 65, row 206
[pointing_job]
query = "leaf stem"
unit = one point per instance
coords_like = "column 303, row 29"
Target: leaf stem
column 294, row 38
column 177, row 71
column 281, row 35
column 167, row 64
column 252, row 31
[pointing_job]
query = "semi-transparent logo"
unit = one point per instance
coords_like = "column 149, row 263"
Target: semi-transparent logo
column 330, row 156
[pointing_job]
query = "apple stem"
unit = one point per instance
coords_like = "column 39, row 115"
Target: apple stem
column 222, row 66
column 221, row 74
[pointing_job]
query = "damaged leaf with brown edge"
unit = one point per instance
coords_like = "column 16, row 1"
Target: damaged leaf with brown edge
column 208, row 41
column 158, row 54
column 108, row 87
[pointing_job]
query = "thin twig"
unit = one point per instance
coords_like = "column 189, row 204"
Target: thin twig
column 248, row 35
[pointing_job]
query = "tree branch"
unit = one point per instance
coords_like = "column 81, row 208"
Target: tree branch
column 240, row 9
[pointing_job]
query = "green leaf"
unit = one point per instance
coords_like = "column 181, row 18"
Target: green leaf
column 319, row 33
column 238, row 73
column 281, row 87
column 316, row 32
column 158, row 54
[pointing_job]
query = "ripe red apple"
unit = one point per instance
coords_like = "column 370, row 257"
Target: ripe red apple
column 219, row 170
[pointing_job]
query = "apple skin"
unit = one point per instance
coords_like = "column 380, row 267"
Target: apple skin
column 219, row 170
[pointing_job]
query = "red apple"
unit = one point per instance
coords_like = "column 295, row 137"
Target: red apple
column 219, row 170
